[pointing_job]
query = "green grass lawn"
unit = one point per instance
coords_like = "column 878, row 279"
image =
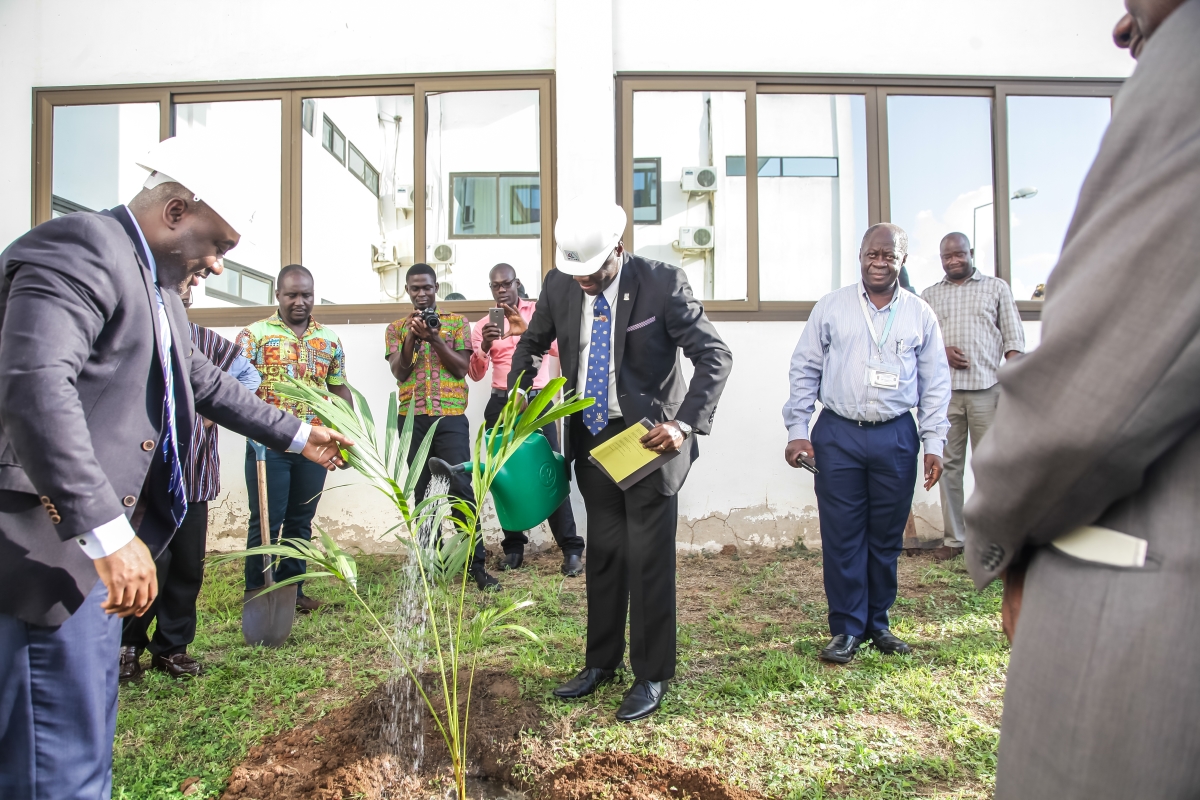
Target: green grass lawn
column 750, row 699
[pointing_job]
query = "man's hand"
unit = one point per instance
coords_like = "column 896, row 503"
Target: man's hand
column 957, row 358
column 490, row 334
column 323, row 447
column 419, row 329
column 131, row 578
column 1014, row 592
column 797, row 450
column 208, row 423
column 933, row 470
column 516, row 323
column 664, row 437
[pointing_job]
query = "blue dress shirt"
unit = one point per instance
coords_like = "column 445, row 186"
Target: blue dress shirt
column 830, row 365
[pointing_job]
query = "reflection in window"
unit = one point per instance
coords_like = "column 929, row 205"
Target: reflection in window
column 483, row 163
column 308, row 113
column 646, row 205
column 1052, row 142
column 249, row 133
column 358, row 243
column 813, row 209
column 240, row 285
column 333, row 140
column 701, row 214
column 95, row 153
column 940, row 168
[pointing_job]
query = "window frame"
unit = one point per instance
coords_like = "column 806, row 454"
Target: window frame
column 497, row 235
column 657, row 191
column 875, row 89
column 241, row 270
column 331, row 126
column 366, row 163
column 292, row 93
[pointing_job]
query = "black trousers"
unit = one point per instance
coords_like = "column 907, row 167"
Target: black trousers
column 180, row 572
column 562, row 521
column 452, row 444
column 630, row 567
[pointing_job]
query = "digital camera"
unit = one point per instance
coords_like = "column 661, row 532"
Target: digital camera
column 431, row 319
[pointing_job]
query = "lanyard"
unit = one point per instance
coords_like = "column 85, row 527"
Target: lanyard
column 887, row 326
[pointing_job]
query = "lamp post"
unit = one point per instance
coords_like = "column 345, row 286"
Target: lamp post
column 1019, row 194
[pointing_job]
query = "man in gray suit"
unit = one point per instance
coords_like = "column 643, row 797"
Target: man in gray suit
column 1086, row 499
column 99, row 394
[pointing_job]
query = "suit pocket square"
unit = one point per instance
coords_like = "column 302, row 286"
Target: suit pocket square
column 640, row 325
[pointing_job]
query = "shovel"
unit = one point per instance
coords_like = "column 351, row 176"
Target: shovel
column 267, row 617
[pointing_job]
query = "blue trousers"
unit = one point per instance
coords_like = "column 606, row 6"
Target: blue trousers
column 864, row 493
column 294, row 485
column 58, row 705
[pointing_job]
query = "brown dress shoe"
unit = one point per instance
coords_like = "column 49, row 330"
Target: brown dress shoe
column 306, row 604
column 131, row 665
column 177, row 665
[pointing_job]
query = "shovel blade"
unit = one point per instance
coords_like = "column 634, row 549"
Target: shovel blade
column 267, row 618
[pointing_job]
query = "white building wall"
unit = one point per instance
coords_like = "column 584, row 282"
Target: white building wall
column 740, row 477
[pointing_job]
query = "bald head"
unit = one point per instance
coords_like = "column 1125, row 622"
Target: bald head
column 899, row 237
column 883, row 252
column 186, row 237
column 958, row 259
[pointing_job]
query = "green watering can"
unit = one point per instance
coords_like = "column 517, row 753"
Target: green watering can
column 528, row 488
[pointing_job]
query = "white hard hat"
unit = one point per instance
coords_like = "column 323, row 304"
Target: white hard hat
column 208, row 167
column 585, row 234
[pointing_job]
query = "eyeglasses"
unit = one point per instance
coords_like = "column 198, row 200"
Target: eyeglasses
column 502, row 284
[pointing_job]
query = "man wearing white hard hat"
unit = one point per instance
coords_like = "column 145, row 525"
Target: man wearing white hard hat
column 620, row 322
column 100, row 392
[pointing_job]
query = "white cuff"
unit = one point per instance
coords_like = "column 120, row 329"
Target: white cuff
column 301, row 438
column 933, row 446
column 797, row 431
column 107, row 539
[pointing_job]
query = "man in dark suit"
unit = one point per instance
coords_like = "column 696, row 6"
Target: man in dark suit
column 620, row 322
column 99, row 396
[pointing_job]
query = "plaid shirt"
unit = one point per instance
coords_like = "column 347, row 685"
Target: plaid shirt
column 980, row 318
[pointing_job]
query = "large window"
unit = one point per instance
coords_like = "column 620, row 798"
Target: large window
column 495, row 206
column 647, row 202
column 95, row 150
column 240, row 285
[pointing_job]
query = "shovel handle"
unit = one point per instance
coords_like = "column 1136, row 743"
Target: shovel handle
column 264, row 517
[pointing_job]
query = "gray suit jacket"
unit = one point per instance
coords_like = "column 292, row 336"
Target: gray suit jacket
column 81, row 405
column 1098, row 425
column 659, row 319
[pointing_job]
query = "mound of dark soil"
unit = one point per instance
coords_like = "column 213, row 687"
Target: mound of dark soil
column 621, row 776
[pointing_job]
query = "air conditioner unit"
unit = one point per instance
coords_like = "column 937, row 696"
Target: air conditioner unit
column 698, row 179
column 404, row 196
column 442, row 253
column 696, row 238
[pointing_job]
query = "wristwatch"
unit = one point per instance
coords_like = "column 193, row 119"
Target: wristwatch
column 684, row 428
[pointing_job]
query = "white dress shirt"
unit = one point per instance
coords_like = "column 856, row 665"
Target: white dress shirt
column 830, row 364
column 585, row 343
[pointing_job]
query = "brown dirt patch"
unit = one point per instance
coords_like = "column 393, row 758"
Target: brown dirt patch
column 621, row 776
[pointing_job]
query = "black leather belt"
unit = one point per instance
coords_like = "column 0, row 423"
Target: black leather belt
column 862, row 423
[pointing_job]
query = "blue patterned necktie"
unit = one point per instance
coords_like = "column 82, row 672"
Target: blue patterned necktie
column 595, row 417
column 170, row 446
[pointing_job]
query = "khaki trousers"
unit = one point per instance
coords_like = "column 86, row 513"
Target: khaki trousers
column 971, row 413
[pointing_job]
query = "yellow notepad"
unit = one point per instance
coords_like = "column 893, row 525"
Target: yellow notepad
column 624, row 460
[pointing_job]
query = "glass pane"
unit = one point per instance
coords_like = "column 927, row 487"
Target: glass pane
column 810, row 219
column 768, row 167
column 358, row 242
column 256, row 290
column 520, row 205
column 1052, row 142
column 940, row 166
column 479, row 148
column 735, row 166
column 308, row 111
column 474, row 206
column 251, row 129
column 228, row 282
column 95, row 150
column 702, row 226
column 645, row 190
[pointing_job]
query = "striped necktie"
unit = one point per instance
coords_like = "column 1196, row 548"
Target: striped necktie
column 170, row 444
column 595, row 417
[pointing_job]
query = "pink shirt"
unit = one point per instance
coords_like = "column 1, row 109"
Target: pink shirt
column 500, row 356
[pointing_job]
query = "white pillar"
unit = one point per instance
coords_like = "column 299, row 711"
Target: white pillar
column 586, row 112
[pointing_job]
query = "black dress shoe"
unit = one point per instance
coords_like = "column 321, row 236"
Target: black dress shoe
column 131, row 665
column 886, row 643
column 512, row 561
column 642, row 700
column 841, row 649
column 572, row 565
column 587, row 681
column 485, row 581
column 177, row 665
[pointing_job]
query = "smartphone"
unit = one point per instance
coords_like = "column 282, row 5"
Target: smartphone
column 496, row 317
column 809, row 464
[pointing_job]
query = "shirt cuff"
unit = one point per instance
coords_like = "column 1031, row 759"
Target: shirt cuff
column 797, row 431
column 301, row 438
column 933, row 446
column 107, row 539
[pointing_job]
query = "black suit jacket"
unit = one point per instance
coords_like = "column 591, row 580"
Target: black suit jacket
column 81, row 405
column 656, row 318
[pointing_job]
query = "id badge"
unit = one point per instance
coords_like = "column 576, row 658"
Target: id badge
column 882, row 376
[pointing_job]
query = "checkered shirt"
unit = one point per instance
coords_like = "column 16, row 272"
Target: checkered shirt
column 979, row 317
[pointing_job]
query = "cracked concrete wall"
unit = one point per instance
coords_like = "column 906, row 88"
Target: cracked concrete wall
column 740, row 492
